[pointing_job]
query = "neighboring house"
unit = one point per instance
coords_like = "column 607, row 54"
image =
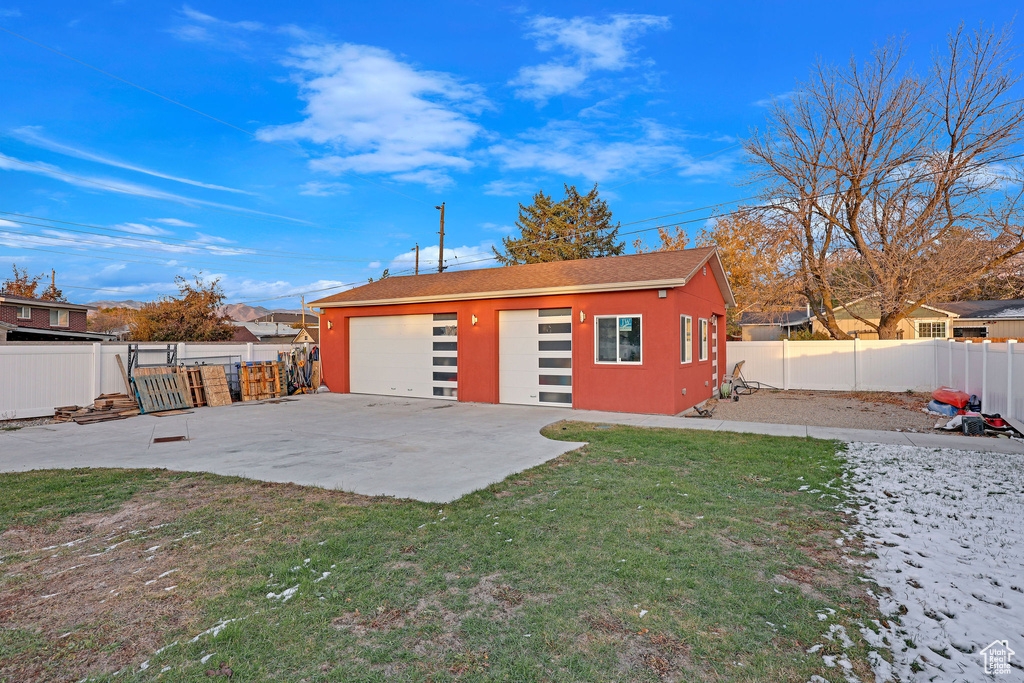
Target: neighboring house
column 772, row 326
column 243, row 335
column 643, row 333
column 309, row 334
column 927, row 322
column 25, row 319
column 993, row 319
column 267, row 331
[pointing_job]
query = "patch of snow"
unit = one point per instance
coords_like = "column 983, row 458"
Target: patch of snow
column 206, row 658
column 945, row 526
column 285, row 595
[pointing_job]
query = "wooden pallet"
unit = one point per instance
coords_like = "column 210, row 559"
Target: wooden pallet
column 160, row 389
column 259, row 380
column 215, row 382
column 193, row 379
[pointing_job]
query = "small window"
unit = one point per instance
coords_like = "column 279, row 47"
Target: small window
column 554, row 312
column 936, row 330
column 24, row 312
column 447, row 331
column 446, row 391
column 565, row 345
column 445, row 316
column 555, row 380
column 686, row 337
column 703, row 339
column 554, row 362
column 450, row 361
column 554, row 397
column 446, row 346
column 58, row 318
column 445, row 377
column 618, row 339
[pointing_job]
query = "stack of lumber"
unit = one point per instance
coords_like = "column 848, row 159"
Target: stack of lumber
column 106, row 407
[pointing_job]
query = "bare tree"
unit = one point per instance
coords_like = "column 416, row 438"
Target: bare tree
column 894, row 185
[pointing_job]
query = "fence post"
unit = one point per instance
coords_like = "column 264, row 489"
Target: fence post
column 248, row 352
column 951, row 342
column 984, row 373
column 785, row 364
column 1009, row 379
column 967, row 366
column 97, row 369
column 856, row 363
column 181, row 352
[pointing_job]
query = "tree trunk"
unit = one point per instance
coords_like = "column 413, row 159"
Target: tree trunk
column 889, row 326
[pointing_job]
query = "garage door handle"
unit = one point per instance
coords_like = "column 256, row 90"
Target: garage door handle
column 533, row 395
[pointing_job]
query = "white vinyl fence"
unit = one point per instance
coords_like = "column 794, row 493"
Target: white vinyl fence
column 994, row 372
column 36, row 378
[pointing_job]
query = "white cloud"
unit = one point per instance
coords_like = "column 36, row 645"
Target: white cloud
column 587, row 45
column 10, row 13
column 174, row 222
column 376, row 114
column 142, row 229
column 494, row 227
column 768, row 101
column 318, row 189
column 373, row 264
column 112, row 269
column 455, row 258
column 511, row 188
column 96, row 184
column 572, row 150
column 32, row 135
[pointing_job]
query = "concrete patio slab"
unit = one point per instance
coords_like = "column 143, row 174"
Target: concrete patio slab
column 429, row 450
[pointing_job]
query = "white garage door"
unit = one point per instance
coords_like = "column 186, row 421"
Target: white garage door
column 535, row 357
column 404, row 355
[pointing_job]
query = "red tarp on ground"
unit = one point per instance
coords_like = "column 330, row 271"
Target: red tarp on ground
column 951, row 397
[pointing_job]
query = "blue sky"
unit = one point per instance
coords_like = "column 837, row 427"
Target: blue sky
column 361, row 117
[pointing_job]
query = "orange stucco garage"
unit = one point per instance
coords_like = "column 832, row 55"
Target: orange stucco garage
column 640, row 333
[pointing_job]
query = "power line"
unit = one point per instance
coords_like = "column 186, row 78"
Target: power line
column 194, row 204
column 197, row 111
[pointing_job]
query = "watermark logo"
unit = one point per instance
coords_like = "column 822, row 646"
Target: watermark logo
column 997, row 657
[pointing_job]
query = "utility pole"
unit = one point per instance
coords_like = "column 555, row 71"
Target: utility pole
column 440, row 258
column 417, row 250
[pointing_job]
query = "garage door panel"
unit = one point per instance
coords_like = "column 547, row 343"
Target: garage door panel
column 395, row 355
column 535, row 357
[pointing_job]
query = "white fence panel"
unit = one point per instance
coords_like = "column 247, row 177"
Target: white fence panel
column 763, row 361
column 1015, row 384
column 822, row 365
column 955, row 357
column 994, row 400
column 974, row 369
column 896, row 365
column 36, row 378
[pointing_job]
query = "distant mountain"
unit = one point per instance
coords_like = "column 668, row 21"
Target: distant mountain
column 242, row 312
column 239, row 312
column 130, row 303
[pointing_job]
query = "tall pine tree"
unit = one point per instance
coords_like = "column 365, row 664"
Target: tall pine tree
column 578, row 227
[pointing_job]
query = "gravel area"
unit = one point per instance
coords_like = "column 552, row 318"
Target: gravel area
column 26, row 422
column 850, row 410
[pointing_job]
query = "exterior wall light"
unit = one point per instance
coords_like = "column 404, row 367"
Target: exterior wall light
column 330, row 325
column 583, row 317
column 474, row 319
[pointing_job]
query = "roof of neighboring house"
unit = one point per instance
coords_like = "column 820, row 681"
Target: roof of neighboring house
column 795, row 316
column 313, row 332
column 43, row 302
column 609, row 273
column 242, row 334
column 1004, row 309
column 310, row 318
column 63, row 334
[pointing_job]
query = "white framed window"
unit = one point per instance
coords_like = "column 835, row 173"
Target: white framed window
column 703, row 339
column 24, row 312
column 618, row 339
column 686, row 338
column 931, row 330
column 58, row 317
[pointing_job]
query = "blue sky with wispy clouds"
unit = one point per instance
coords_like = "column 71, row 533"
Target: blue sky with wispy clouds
column 341, row 125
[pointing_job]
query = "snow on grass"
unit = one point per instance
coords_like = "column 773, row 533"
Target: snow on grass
column 946, row 526
column 285, row 595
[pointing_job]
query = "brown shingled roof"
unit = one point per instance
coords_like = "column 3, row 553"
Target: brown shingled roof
column 613, row 272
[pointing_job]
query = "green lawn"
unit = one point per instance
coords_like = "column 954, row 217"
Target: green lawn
column 648, row 555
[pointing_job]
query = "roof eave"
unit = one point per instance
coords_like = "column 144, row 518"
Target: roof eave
column 516, row 293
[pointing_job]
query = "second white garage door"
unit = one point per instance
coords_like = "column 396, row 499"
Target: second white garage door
column 535, row 357
column 404, row 355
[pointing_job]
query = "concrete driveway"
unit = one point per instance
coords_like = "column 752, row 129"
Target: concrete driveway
column 434, row 451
